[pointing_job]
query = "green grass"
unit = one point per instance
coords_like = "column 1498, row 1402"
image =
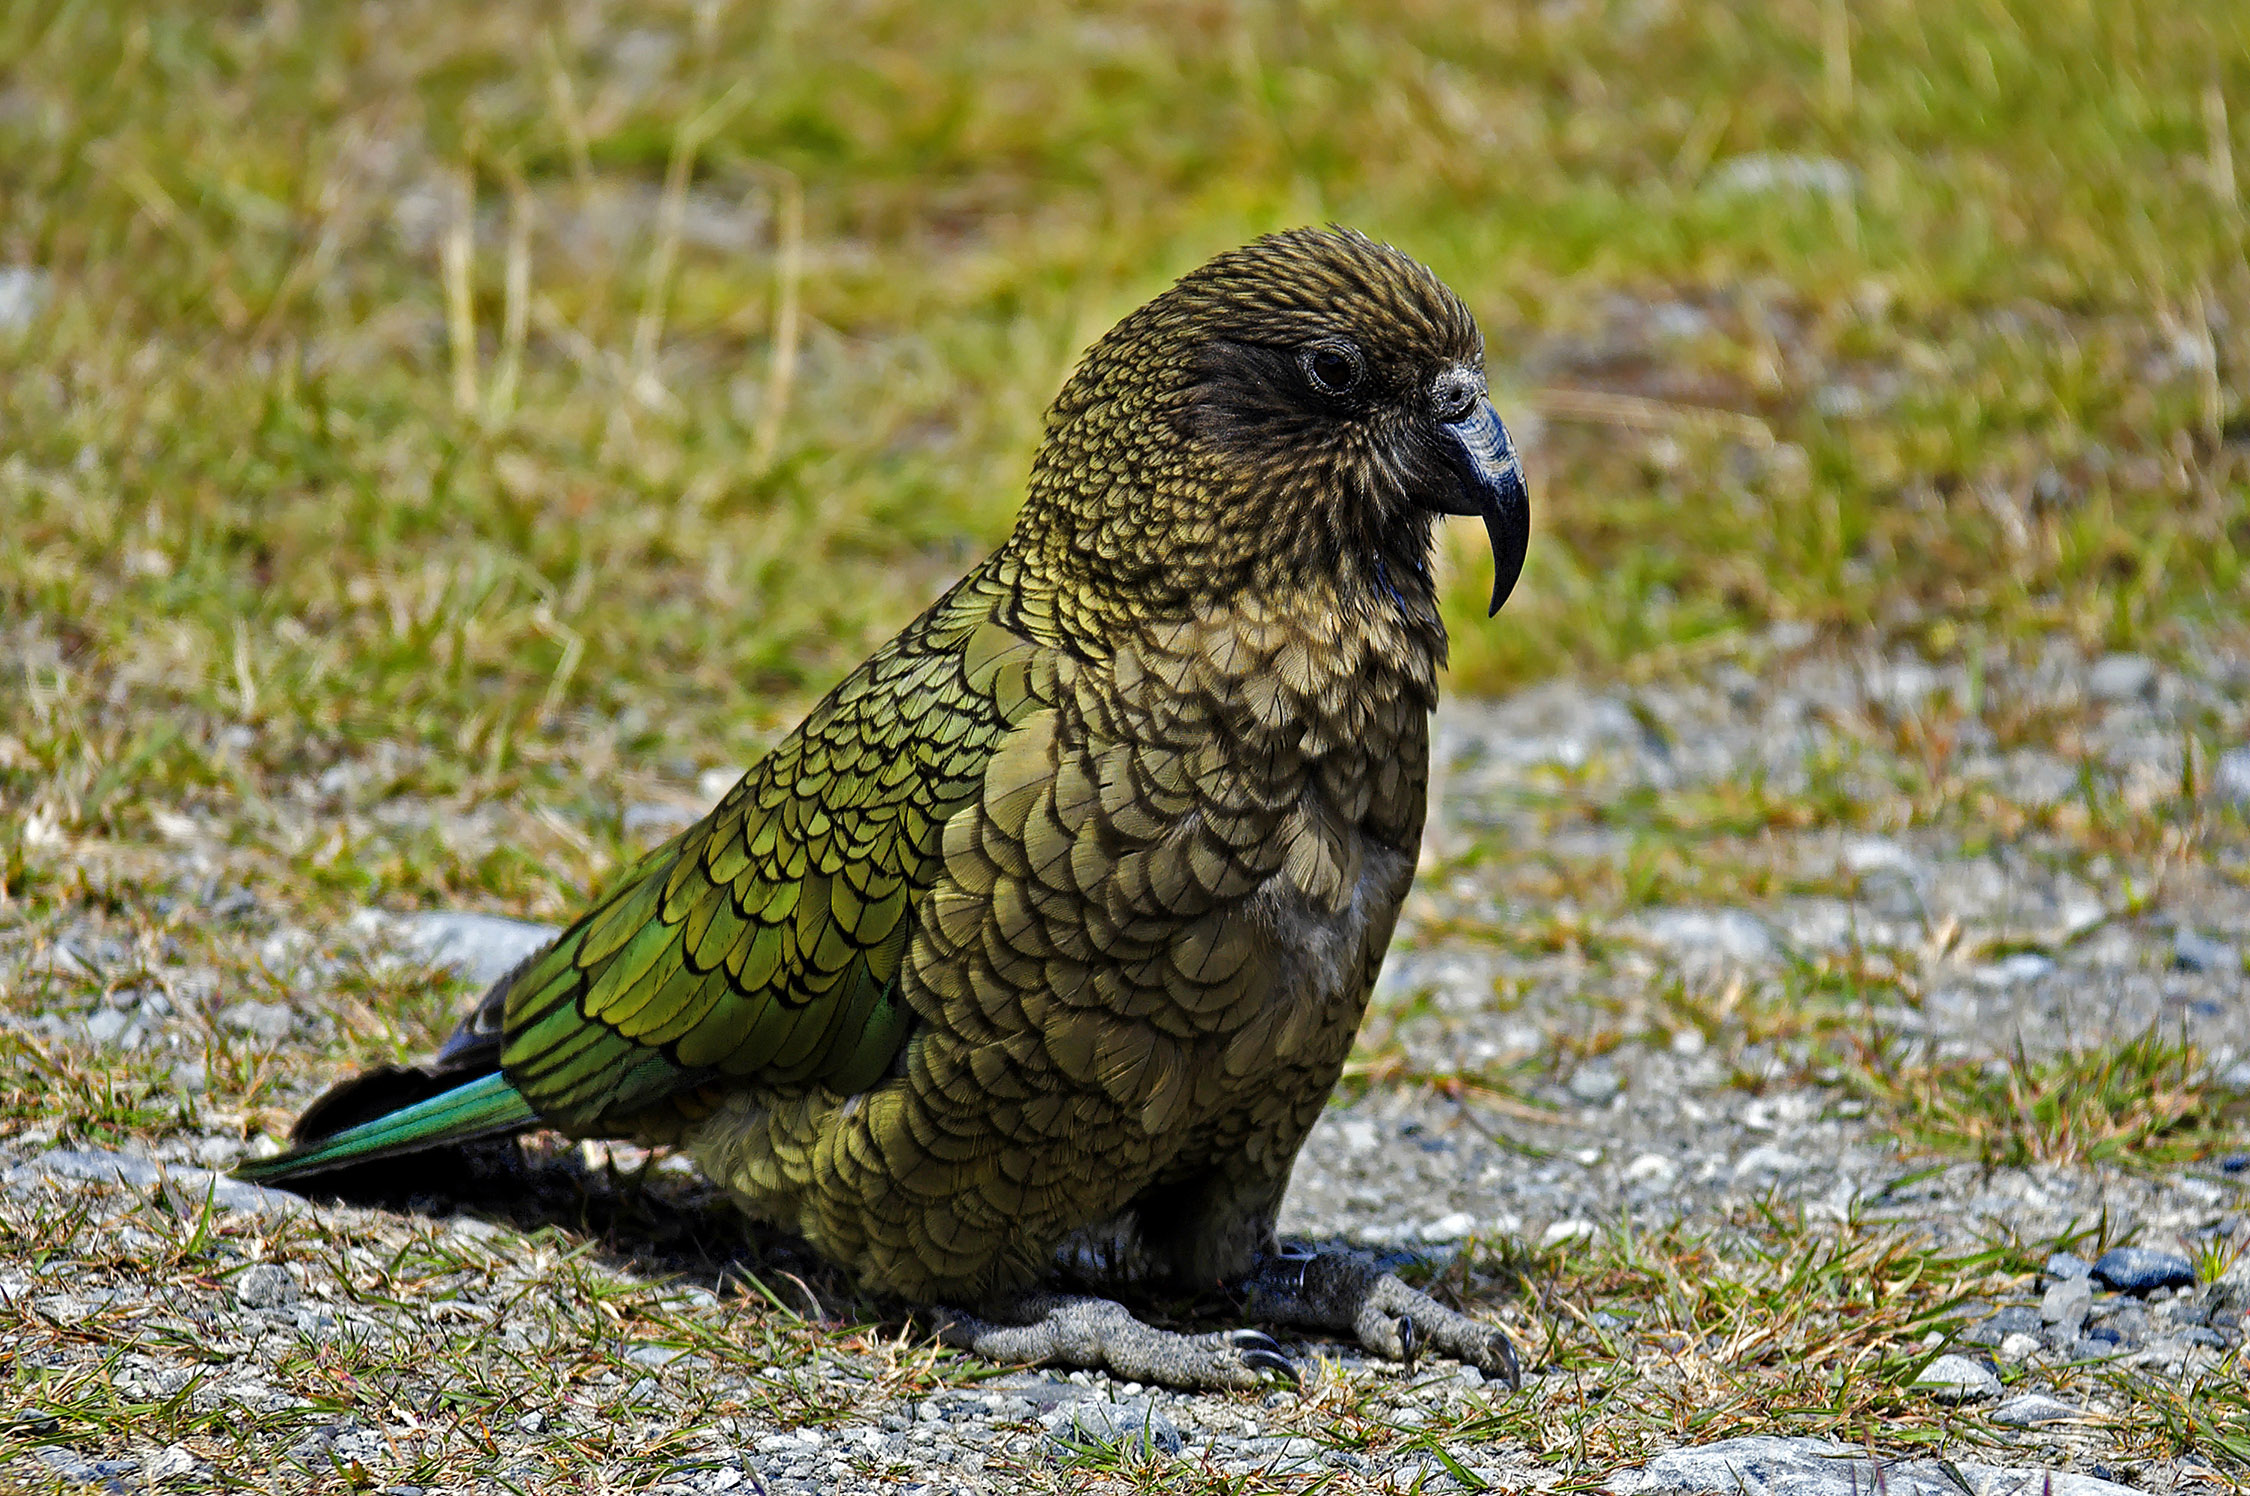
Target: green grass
column 494, row 416
column 517, row 392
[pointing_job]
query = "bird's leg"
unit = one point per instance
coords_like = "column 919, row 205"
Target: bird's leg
column 1100, row 1334
column 1348, row 1292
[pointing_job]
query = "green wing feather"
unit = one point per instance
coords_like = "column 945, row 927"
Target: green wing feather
column 762, row 945
column 482, row 1108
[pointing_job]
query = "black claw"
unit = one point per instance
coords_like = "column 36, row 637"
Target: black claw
column 1260, row 1359
column 1509, row 1368
column 1409, row 1340
column 1254, row 1340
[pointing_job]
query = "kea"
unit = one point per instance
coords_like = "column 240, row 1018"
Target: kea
column 1032, row 954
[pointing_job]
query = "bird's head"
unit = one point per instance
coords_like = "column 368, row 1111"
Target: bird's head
column 1298, row 410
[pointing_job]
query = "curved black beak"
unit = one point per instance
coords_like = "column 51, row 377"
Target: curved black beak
column 1492, row 488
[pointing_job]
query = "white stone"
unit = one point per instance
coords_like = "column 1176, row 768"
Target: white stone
column 712, row 784
column 2230, row 777
column 1766, row 173
column 2032, row 1409
column 2012, row 971
column 1650, row 1168
column 480, row 948
column 1563, row 1231
column 1877, row 854
column 1767, row 1162
column 2121, row 677
column 23, row 293
column 268, row 1021
column 1957, row 1379
column 1449, row 1227
column 2066, row 1303
column 1711, row 935
column 1770, row 1465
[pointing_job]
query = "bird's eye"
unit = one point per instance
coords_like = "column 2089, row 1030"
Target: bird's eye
column 1333, row 366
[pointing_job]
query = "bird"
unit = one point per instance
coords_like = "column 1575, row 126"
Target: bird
column 1014, row 978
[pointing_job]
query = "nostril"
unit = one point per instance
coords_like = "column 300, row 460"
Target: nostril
column 1454, row 394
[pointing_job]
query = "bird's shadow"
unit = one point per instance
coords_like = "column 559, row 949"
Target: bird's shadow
column 668, row 1224
column 653, row 1222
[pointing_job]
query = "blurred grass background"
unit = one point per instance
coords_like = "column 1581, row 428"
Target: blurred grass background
column 495, row 394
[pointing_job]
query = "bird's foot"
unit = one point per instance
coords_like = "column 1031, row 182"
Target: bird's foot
column 1348, row 1292
column 1101, row 1335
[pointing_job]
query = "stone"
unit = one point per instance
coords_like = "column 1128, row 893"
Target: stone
column 1594, row 1084
column 2230, row 778
column 1651, row 1169
column 1766, row 1164
column 2121, row 677
column 2013, row 970
column 2065, row 1303
column 265, row 1285
column 1755, row 1465
column 2143, row 1270
column 654, row 817
column 1712, row 935
column 1134, row 1424
column 23, row 295
column 2017, row 1348
column 268, row 1021
column 1451, row 1227
column 186, row 1186
column 1767, row 173
column 478, row 948
column 2031, row 1409
column 107, row 1026
column 1958, row 1379
column 170, row 1463
column 2062, row 1265
column 1770, row 1465
column 2200, row 953
column 110, row 1475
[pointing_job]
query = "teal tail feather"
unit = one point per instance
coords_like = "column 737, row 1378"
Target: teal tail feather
column 479, row 1109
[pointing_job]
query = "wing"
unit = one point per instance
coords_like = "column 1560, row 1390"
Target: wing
column 761, row 946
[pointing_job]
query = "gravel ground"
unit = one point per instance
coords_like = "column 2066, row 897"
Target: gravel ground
column 1709, row 962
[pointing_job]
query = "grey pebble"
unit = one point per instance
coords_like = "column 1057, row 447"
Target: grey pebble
column 2031, row 1409
column 1595, row 1084
column 1702, row 936
column 265, row 1285
column 2200, row 953
column 2142, row 1270
column 108, row 1025
column 1132, row 1424
column 2066, row 1265
column 2066, row 1303
column 2230, row 777
column 189, row 1186
column 23, row 294
column 2121, row 677
column 1770, row 1465
column 268, row 1021
column 1958, row 1379
column 480, row 948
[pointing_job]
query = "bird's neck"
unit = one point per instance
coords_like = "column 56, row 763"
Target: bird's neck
column 1091, row 598
column 1367, row 635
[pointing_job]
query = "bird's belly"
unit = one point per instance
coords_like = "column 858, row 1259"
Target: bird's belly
column 964, row 1174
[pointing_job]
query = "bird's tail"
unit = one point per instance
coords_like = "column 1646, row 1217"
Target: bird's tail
column 481, row 1108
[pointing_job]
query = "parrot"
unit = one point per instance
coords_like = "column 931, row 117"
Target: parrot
column 1015, row 977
